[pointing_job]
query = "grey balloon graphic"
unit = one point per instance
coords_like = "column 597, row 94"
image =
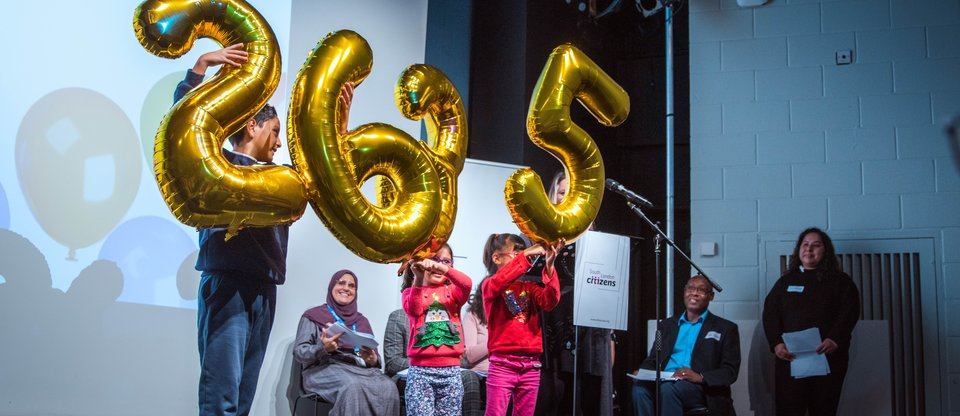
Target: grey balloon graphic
column 78, row 163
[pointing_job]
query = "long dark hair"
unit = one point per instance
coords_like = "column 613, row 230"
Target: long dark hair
column 476, row 304
column 494, row 243
column 829, row 262
column 408, row 272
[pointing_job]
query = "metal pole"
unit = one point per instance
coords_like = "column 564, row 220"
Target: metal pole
column 576, row 345
column 668, row 15
column 657, row 336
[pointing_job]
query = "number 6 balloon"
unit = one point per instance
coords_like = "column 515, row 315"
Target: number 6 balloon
column 568, row 74
column 199, row 185
column 418, row 196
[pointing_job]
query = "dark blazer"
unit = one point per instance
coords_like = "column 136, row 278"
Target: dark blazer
column 717, row 361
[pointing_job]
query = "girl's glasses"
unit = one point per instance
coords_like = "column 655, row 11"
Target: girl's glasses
column 445, row 262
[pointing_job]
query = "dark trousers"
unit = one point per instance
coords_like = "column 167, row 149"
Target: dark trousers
column 588, row 401
column 674, row 397
column 819, row 394
column 234, row 318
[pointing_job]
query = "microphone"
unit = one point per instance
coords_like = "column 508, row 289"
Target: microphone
column 630, row 195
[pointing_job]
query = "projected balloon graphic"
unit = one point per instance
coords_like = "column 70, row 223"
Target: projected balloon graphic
column 149, row 251
column 568, row 74
column 78, row 164
column 4, row 210
column 199, row 186
column 416, row 193
column 155, row 106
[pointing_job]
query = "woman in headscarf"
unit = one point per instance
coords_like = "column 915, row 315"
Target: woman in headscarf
column 347, row 375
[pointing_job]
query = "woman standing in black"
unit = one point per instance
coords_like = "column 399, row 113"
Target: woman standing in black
column 594, row 346
column 814, row 293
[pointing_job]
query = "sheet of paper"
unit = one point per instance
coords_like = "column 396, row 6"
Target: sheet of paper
column 650, row 375
column 350, row 338
column 809, row 364
column 806, row 361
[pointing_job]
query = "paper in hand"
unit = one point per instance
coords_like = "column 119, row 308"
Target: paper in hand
column 806, row 361
column 350, row 338
column 650, row 375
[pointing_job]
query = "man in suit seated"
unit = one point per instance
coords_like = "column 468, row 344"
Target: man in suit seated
column 701, row 350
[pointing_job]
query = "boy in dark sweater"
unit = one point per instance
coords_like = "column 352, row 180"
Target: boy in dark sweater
column 239, row 275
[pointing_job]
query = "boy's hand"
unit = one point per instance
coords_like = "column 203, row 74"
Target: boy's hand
column 232, row 55
column 346, row 100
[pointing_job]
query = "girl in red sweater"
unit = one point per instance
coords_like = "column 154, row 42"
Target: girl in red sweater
column 432, row 304
column 513, row 320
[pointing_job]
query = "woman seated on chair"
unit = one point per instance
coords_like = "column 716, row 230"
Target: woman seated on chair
column 345, row 375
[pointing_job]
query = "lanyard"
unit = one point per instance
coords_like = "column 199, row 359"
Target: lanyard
column 356, row 350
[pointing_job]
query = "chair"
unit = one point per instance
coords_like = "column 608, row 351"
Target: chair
column 320, row 406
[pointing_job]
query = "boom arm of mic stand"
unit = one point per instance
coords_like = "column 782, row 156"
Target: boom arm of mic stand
column 636, row 210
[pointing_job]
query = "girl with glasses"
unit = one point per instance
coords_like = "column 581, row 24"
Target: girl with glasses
column 432, row 305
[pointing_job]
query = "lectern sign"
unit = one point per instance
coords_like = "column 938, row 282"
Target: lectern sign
column 601, row 281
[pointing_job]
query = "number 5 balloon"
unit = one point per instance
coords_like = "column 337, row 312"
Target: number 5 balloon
column 199, row 185
column 568, row 74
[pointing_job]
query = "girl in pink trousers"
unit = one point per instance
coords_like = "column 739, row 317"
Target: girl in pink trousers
column 513, row 319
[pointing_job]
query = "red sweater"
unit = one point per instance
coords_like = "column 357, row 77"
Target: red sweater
column 513, row 308
column 436, row 334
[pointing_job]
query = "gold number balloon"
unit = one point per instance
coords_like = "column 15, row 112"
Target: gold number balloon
column 419, row 188
column 199, row 185
column 425, row 92
column 568, row 74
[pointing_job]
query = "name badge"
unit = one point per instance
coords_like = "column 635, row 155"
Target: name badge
column 712, row 335
column 795, row 289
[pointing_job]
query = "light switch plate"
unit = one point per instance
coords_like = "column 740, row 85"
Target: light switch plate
column 708, row 249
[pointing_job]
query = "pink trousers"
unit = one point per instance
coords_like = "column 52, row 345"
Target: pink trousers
column 512, row 376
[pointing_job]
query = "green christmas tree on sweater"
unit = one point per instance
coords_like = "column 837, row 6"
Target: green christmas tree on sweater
column 437, row 329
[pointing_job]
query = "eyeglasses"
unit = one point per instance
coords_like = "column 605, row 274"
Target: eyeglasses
column 513, row 253
column 444, row 261
column 703, row 290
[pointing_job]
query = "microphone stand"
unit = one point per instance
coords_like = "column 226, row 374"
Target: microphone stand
column 658, row 334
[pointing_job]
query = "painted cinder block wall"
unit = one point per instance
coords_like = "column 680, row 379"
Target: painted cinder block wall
column 782, row 137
